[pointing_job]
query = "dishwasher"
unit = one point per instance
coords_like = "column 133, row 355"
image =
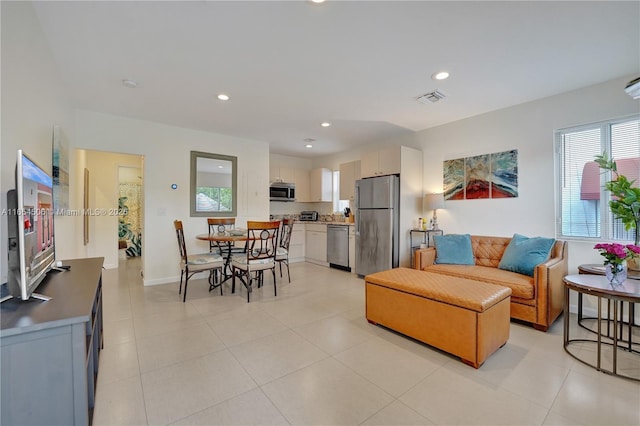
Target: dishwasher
column 338, row 247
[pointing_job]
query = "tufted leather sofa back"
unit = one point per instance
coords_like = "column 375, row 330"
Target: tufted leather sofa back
column 488, row 251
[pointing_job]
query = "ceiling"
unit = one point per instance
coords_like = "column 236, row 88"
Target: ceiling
column 290, row 65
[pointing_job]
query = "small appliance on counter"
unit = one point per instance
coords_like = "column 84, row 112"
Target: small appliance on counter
column 309, row 216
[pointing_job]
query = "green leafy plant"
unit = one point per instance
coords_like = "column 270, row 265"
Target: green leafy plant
column 135, row 249
column 125, row 233
column 625, row 201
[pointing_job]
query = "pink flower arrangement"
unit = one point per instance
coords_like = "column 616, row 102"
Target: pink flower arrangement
column 615, row 253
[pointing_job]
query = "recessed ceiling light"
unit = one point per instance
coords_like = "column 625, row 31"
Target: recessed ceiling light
column 221, row 167
column 129, row 83
column 223, row 97
column 317, row 1
column 325, row 124
column 441, row 75
column 308, row 145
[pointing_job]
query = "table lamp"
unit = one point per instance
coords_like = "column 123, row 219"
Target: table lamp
column 434, row 202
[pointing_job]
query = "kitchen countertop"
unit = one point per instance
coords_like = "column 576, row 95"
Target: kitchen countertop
column 324, row 222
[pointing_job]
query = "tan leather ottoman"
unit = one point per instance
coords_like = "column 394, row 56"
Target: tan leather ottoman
column 466, row 318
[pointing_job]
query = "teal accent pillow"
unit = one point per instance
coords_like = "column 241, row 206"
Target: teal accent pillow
column 454, row 249
column 523, row 254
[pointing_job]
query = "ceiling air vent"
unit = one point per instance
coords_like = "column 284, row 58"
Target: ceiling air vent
column 434, row 96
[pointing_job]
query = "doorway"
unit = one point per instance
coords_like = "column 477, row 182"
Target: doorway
column 107, row 171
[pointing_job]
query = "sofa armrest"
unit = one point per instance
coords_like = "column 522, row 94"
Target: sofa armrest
column 424, row 257
column 549, row 286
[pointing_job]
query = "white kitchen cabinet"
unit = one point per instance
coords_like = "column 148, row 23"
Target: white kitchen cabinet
column 349, row 173
column 297, row 243
column 301, row 179
column 382, row 162
column 320, row 185
column 281, row 174
column 316, row 244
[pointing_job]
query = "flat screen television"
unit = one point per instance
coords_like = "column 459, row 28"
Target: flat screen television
column 30, row 229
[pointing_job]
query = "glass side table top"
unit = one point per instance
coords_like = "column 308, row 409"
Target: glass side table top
column 598, row 269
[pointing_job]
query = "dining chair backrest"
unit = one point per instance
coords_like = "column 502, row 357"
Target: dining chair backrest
column 180, row 234
column 262, row 242
column 220, row 224
column 285, row 233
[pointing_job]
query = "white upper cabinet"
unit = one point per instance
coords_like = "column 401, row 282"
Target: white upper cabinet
column 301, row 179
column 382, row 162
column 282, row 174
column 320, row 185
column 349, row 173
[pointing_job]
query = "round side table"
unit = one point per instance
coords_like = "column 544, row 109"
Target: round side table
column 610, row 326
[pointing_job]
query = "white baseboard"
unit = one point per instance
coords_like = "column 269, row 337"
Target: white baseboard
column 316, row 262
column 176, row 279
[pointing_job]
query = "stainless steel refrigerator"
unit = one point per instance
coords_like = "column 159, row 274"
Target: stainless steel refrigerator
column 377, row 224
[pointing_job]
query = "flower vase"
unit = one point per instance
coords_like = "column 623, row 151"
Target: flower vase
column 616, row 274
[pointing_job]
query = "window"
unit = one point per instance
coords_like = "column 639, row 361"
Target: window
column 338, row 204
column 582, row 214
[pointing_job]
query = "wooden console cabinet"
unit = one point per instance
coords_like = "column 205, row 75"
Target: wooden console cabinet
column 50, row 350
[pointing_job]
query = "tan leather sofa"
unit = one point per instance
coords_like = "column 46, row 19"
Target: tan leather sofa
column 537, row 300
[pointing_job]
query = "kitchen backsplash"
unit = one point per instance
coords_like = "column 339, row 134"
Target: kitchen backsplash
column 293, row 208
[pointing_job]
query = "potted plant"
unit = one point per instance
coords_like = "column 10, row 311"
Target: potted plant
column 625, row 200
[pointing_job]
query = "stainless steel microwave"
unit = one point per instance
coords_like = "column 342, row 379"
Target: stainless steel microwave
column 282, row 191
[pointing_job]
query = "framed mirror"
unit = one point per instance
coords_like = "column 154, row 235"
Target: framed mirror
column 213, row 185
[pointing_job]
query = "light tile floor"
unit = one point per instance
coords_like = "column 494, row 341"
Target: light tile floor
column 309, row 357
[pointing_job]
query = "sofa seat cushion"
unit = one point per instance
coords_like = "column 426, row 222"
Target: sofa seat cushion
column 521, row 285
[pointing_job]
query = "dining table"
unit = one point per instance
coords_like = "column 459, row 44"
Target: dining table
column 227, row 241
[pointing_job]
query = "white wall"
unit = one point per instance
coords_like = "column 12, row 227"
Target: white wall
column 333, row 161
column 129, row 174
column 277, row 160
column 166, row 150
column 33, row 101
column 411, row 197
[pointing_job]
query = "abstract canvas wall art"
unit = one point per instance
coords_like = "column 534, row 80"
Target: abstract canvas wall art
column 454, row 179
column 482, row 176
column 504, row 174
column 477, row 177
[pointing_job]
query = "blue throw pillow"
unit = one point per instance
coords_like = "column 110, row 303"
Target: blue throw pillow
column 523, row 254
column 454, row 249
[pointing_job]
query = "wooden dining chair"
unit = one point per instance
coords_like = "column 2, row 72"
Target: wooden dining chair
column 193, row 263
column 282, row 253
column 221, row 225
column 260, row 256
